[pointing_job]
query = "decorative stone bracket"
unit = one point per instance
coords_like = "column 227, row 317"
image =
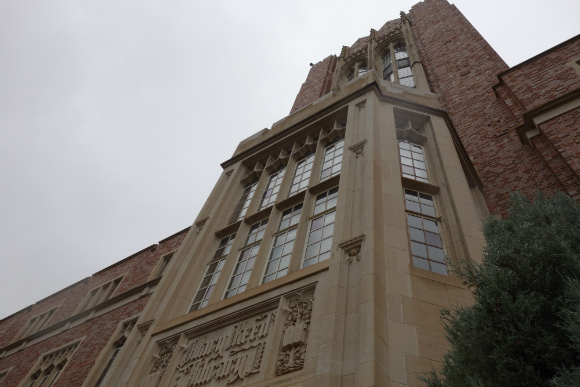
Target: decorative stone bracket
column 358, row 148
column 352, row 248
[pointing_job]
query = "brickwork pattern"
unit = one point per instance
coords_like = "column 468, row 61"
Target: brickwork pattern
column 462, row 69
column 545, row 78
column 136, row 271
column 317, row 83
column 96, row 333
column 561, row 140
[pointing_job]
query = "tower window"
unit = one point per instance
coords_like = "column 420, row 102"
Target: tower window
column 256, row 232
column 388, row 67
column 401, row 72
column 413, row 161
column 279, row 259
column 424, row 234
column 271, row 192
column 319, row 239
column 242, row 271
column 212, row 274
column 332, row 160
column 302, row 174
column 244, row 202
column 404, row 65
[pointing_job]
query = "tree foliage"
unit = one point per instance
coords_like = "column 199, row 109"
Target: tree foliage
column 524, row 327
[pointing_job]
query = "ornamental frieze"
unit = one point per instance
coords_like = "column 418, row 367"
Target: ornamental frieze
column 226, row 356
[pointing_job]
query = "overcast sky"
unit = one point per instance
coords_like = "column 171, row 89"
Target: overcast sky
column 115, row 115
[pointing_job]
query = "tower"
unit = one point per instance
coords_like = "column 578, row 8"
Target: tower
column 319, row 257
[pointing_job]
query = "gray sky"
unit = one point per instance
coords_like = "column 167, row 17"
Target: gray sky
column 115, row 115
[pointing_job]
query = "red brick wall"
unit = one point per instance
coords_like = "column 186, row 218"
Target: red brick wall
column 546, row 77
column 317, row 83
column 96, row 332
column 136, row 270
column 462, row 69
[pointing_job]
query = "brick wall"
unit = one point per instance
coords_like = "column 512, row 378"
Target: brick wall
column 462, row 69
column 317, row 83
column 136, row 269
column 96, row 332
column 546, row 77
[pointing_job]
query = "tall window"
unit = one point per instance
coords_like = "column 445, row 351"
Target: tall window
column 244, row 202
column 212, row 274
column 35, row 324
column 413, row 161
column 332, row 159
column 51, row 366
column 279, row 259
column 125, row 332
column 302, row 174
column 242, row 271
column 321, row 228
column 402, row 65
column 388, row 66
column 100, row 294
column 426, row 244
column 269, row 196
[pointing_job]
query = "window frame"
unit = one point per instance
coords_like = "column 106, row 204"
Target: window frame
column 104, row 292
column 424, row 216
column 276, row 177
column 245, row 203
column 220, row 260
column 424, row 161
column 333, row 143
column 35, row 324
column 308, row 156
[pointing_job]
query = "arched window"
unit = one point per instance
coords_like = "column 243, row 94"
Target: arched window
column 388, row 67
column 404, row 65
column 401, row 72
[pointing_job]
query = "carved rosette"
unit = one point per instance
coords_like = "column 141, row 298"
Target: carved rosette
column 294, row 335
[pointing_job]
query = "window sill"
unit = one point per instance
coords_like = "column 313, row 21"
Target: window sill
column 228, row 230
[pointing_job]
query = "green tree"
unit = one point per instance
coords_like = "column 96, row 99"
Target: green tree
column 524, row 326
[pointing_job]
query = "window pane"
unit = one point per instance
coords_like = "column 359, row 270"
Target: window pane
column 439, row 268
column 421, row 263
column 332, row 160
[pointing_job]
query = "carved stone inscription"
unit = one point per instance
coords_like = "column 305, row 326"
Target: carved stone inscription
column 228, row 355
column 296, row 326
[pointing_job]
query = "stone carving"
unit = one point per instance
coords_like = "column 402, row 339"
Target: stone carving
column 352, row 248
column 159, row 367
column 143, row 328
column 227, row 355
column 294, row 335
column 358, row 148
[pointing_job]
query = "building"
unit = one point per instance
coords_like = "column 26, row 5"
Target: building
column 317, row 260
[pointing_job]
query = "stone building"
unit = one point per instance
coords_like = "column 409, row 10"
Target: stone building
column 318, row 259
